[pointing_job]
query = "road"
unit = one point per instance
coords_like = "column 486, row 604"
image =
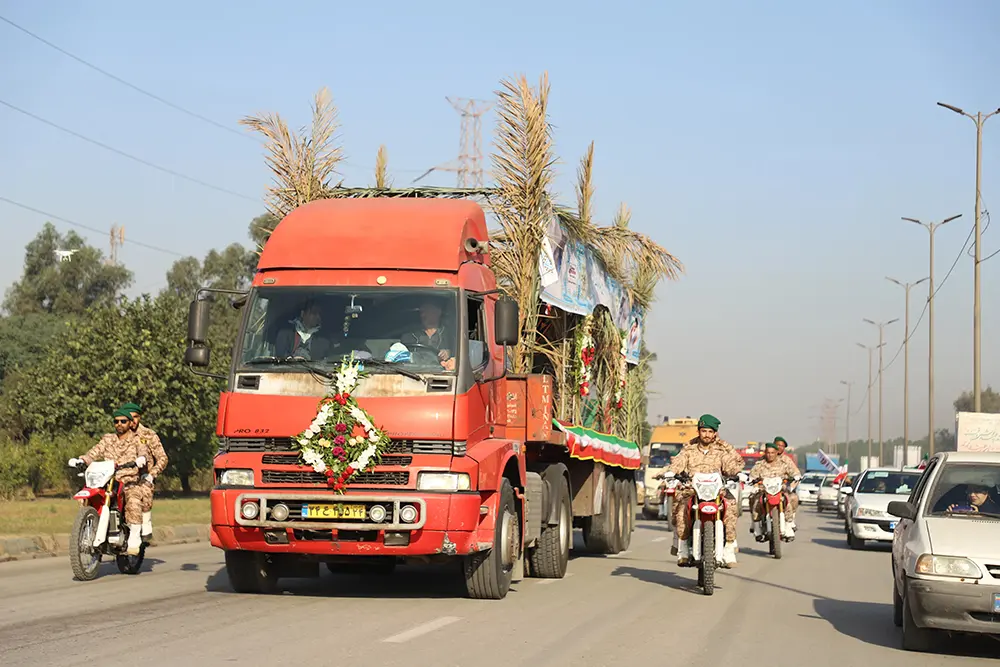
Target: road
column 822, row 605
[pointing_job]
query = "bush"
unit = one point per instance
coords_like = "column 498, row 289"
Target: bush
column 38, row 466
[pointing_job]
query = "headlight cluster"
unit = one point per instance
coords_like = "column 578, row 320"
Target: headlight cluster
column 948, row 566
column 236, row 477
column 443, row 481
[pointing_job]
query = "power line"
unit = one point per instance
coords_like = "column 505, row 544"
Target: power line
column 128, row 155
column 154, row 96
column 87, row 227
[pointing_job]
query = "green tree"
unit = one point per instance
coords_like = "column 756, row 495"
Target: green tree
column 57, row 286
column 990, row 401
column 132, row 351
column 24, row 339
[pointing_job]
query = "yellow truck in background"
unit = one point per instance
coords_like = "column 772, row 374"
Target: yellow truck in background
column 665, row 441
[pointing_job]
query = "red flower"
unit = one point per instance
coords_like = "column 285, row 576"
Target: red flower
column 340, row 440
column 348, row 471
column 340, row 399
column 337, row 451
column 340, row 428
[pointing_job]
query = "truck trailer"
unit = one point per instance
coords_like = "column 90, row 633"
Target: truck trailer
column 478, row 466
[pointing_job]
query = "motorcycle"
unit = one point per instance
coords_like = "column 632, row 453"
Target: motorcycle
column 667, row 490
column 100, row 528
column 773, row 502
column 708, row 535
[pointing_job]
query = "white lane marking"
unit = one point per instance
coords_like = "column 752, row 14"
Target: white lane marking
column 542, row 582
column 420, row 630
column 659, row 539
column 620, row 553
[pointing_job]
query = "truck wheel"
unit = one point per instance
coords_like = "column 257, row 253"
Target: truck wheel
column 550, row 558
column 488, row 575
column 601, row 534
column 250, row 572
column 626, row 514
column 83, row 558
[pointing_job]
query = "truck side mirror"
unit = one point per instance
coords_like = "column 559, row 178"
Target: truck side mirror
column 506, row 324
column 198, row 353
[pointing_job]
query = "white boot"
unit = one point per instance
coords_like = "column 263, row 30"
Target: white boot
column 729, row 554
column 147, row 525
column 134, row 539
column 683, row 552
column 757, row 530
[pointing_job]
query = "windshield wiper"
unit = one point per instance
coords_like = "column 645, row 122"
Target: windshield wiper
column 301, row 361
column 379, row 363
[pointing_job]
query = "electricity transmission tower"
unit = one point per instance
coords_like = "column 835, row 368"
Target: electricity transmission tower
column 469, row 164
column 117, row 241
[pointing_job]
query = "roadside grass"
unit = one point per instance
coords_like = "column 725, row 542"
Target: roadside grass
column 45, row 516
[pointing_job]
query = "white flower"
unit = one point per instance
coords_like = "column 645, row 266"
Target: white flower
column 373, row 436
column 353, row 441
column 304, row 442
column 313, row 458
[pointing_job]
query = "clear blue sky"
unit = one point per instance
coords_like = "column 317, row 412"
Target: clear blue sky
column 772, row 146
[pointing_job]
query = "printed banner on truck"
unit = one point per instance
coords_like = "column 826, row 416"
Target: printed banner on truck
column 587, row 444
column 574, row 280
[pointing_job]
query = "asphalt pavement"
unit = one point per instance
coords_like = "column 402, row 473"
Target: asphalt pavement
column 821, row 605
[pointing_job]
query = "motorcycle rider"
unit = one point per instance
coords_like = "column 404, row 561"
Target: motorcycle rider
column 123, row 447
column 772, row 465
column 708, row 455
column 158, row 461
column 793, row 490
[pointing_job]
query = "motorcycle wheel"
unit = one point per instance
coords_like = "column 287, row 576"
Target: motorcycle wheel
column 775, row 535
column 670, row 513
column 707, row 569
column 131, row 564
column 83, row 558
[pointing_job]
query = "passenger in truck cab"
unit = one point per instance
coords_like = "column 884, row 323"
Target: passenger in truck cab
column 431, row 335
column 301, row 337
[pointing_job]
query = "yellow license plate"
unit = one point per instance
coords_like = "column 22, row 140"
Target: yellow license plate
column 334, row 512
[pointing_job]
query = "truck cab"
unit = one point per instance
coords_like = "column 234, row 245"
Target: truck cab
column 666, row 441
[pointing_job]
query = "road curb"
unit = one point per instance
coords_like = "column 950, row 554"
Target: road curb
column 15, row 547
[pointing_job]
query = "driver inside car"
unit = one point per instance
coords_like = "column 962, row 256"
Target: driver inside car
column 431, row 336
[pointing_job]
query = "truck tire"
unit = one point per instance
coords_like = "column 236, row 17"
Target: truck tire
column 251, row 572
column 626, row 514
column 550, row 558
column 488, row 575
column 601, row 532
column 85, row 564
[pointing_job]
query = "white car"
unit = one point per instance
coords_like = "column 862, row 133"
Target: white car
column 826, row 495
column 867, row 518
column 809, row 487
column 946, row 551
column 843, row 490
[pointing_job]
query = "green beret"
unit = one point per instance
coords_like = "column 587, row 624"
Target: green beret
column 132, row 407
column 122, row 412
column 781, row 440
column 770, row 445
column 708, row 421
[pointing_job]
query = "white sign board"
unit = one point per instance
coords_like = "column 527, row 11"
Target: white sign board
column 869, row 463
column 913, row 455
column 978, row 432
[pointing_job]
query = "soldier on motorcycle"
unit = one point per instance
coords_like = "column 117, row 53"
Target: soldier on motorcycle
column 772, row 465
column 707, row 455
column 158, row 461
column 793, row 495
column 123, row 447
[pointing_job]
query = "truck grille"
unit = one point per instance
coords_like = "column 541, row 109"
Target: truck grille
column 271, row 476
column 293, row 460
column 410, row 447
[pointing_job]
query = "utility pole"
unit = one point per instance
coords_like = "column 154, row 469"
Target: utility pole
column 117, row 241
column 470, row 153
column 871, row 351
column 847, row 429
column 906, row 366
column 931, row 227
column 977, row 313
column 881, row 368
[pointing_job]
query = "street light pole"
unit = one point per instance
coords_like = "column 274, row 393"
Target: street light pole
column 977, row 313
column 881, row 368
column 847, row 428
column 931, row 227
column 906, row 367
column 871, row 351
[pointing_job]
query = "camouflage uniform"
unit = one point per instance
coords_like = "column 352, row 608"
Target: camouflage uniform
column 780, row 467
column 793, row 500
column 157, row 460
column 123, row 450
column 720, row 457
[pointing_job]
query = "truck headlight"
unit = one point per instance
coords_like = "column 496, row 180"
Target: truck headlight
column 443, row 481
column 236, row 477
column 948, row 566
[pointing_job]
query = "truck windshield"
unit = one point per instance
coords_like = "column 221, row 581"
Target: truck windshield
column 660, row 454
column 410, row 329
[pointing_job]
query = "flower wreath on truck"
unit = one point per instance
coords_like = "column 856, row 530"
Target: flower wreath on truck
column 342, row 441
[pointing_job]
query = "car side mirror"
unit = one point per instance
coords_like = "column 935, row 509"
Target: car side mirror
column 847, row 490
column 902, row 509
column 197, row 353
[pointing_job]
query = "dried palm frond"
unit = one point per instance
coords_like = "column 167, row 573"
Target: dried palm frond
column 301, row 165
column 522, row 169
column 382, row 181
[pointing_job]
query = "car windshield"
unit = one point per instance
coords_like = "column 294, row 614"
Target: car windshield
column 812, row 479
column 661, row 454
column 888, row 482
column 966, row 489
column 407, row 329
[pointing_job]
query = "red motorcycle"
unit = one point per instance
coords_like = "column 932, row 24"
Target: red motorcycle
column 705, row 509
column 100, row 528
column 772, row 502
column 667, row 490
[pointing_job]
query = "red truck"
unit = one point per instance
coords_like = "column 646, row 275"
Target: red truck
column 479, row 468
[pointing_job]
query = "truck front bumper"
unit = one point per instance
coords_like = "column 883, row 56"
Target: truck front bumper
column 954, row 606
column 446, row 523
